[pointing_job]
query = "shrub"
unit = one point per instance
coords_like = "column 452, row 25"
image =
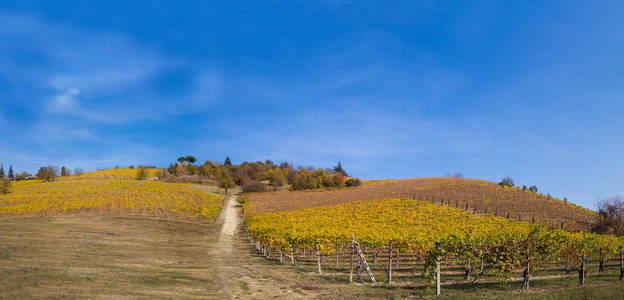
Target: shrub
column 5, row 184
column 507, row 181
column 353, row 182
column 254, row 187
column 141, row 173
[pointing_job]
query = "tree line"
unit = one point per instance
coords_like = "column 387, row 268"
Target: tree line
column 261, row 176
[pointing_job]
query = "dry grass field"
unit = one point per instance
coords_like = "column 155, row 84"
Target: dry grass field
column 111, row 257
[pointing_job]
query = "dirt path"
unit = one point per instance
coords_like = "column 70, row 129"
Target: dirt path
column 242, row 274
column 138, row 257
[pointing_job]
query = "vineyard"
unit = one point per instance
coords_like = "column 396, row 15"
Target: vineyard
column 126, row 173
column 109, row 196
column 476, row 196
column 386, row 231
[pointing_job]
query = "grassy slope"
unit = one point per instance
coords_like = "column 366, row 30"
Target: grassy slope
column 479, row 195
column 111, row 257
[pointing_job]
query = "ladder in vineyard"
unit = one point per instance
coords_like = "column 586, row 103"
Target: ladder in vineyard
column 363, row 259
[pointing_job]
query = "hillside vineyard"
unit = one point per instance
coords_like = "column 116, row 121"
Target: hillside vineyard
column 476, row 196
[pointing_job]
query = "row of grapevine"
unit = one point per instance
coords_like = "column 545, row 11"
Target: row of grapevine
column 413, row 227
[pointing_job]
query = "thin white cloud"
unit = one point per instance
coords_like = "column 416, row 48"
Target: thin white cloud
column 92, row 74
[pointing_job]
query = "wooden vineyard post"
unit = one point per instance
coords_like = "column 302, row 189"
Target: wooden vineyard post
column 567, row 262
column 318, row 257
column 621, row 265
column 292, row 256
column 336, row 255
column 437, row 270
column 390, row 265
column 582, row 271
column 352, row 250
column 601, row 262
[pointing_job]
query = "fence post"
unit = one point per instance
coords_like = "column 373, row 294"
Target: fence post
column 390, row 265
column 582, row 271
column 621, row 265
column 351, row 272
column 336, row 254
column 437, row 269
column 318, row 257
column 601, row 263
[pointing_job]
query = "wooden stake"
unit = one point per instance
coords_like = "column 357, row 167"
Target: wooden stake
column 351, row 272
column 318, row 257
column 390, row 265
column 336, row 255
column 601, row 263
column 292, row 256
column 621, row 265
column 582, row 272
column 437, row 271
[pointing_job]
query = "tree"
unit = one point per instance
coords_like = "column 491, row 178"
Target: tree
column 22, row 176
column 339, row 169
column 1, row 171
column 225, row 179
column 190, row 159
column 506, row 181
column 48, row 173
column 533, row 189
column 610, row 216
column 11, row 175
column 181, row 159
column 227, row 162
column 64, row 171
column 78, row 171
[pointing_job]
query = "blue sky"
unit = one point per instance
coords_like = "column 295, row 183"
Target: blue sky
column 393, row 89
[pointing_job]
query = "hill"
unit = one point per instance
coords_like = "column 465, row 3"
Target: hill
column 110, row 196
column 473, row 195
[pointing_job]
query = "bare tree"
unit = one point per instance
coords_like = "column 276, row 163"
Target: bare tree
column 610, row 216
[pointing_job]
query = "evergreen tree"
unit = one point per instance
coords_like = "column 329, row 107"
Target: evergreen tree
column 11, row 175
column 1, row 171
column 63, row 171
column 227, row 162
column 339, row 169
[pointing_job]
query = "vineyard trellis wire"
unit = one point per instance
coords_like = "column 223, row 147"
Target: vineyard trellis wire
column 503, row 247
